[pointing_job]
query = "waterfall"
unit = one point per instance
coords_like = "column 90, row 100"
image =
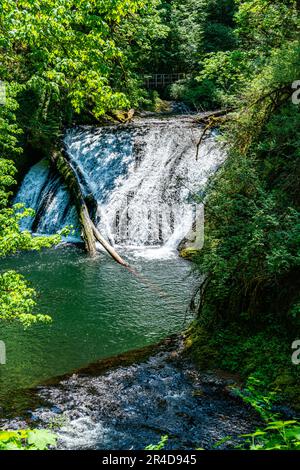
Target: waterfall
column 143, row 177
column 43, row 191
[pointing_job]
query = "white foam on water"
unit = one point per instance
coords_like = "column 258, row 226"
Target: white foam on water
column 144, row 179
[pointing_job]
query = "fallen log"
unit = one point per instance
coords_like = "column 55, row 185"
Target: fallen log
column 89, row 231
column 64, row 168
column 108, row 247
column 205, row 117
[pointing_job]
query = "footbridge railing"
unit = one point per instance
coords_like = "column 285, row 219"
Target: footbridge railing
column 162, row 80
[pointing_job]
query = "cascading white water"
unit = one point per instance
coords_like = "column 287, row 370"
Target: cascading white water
column 143, row 177
column 43, row 191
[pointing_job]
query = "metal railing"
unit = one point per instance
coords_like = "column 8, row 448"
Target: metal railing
column 161, row 80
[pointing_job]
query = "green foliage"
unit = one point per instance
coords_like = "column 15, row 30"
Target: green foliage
column 255, row 395
column 195, row 27
column 29, row 439
column 236, row 46
column 12, row 239
column 252, row 237
column 73, row 54
column 17, row 300
column 160, row 445
column 263, row 24
column 278, row 435
column 222, row 75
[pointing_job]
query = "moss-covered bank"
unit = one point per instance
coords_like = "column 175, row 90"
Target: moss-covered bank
column 249, row 352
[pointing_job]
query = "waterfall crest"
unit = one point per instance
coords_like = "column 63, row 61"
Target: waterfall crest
column 143, row 176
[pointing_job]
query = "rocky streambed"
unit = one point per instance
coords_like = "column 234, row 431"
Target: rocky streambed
column 130, row 401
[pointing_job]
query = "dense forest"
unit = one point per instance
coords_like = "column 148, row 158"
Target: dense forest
column 68, row 62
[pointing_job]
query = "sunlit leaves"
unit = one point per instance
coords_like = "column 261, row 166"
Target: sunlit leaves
column 263, row 24
column 278, row 435
column 28, row 439
column 77, row 44
column 17, row 300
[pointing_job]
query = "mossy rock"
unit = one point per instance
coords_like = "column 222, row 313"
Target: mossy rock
column 289, row 388
column 188, row 253
column 162, row 106
column 198, row 347
column 123, row 116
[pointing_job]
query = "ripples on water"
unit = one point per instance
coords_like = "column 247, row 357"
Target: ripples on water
column 142, row 180
column 131, row 407
column 99, row 309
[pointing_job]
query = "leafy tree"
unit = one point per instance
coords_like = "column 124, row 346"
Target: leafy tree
column 255, row 30
column 251, row 252
column 16, row 297
column 59, row 58
column 211, row 37
column 194, row 29
column 73, row 52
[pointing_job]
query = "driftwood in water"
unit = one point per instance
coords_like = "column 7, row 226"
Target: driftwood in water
column 90, row 232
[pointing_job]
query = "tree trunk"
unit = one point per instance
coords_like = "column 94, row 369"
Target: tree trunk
column 210, row 119
column 66, row 171
column 108, row 247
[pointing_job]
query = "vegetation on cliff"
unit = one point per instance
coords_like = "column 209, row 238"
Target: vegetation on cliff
column 61, row 60
column 75, row 61
column 249, row 310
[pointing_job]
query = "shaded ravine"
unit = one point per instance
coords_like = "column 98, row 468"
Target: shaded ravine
column 132, row 405
column 147, row 184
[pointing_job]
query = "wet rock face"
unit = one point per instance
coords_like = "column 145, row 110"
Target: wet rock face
column 132, row 407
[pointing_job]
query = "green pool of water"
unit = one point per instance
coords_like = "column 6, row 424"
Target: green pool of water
column 99, row 309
